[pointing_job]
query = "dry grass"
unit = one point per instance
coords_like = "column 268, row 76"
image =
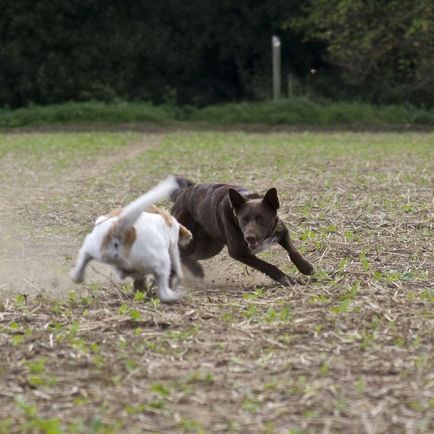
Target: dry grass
column 350, row 351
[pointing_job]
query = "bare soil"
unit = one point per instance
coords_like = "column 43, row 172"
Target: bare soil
column 31, row 261
column 348, row 351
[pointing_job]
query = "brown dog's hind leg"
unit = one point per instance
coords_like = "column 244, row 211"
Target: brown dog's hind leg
column 202, row 246
column 296, row 257
column 192, row 265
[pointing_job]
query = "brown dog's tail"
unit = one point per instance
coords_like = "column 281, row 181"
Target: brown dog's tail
column 183, row 183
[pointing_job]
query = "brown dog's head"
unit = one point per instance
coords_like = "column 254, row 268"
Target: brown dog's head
column 256, row 218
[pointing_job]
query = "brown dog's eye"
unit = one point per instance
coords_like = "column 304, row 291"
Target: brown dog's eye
column 245, row 219
column 259, row 219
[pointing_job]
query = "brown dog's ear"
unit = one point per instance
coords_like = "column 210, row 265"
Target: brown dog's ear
column 236, row 199
column 271, row 199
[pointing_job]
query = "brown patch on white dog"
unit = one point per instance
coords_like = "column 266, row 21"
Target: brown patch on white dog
column 113, row 213
column 185, row 236
column 126, row 239
column 168, row 219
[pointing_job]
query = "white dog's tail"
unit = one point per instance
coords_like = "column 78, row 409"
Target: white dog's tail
column 132, row 212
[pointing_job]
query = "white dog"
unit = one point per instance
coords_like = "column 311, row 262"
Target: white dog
column 137, row 240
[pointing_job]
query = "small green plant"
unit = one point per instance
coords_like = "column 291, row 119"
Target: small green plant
column 346, row 299
column 270, row 315
column 349, row 235
column 72, row 297
column 324, row 369
column 86, row 300
column 191, row 426
column 124, row 309
column 33, row 422
column 135, row 314
column 155, row 302
column 364, row 261
column 227, row 317
column 259, row 292
column 201, row 377
column 361, row 385
column 160, row 389
column 341, row 404
column 331, row 229
column 130, row 365
column 427, row 295
column 139, row 296
column 319, row 299
column 250, row 311
column 17, row 340
column 21, row 299
column 307, row 235
column 366, row 341
column 342, row 265
column 408, row 207
column 6, row 425
column 416, row 406
column 250, row 404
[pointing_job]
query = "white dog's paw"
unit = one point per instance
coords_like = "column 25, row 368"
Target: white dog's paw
column 76, row 276
column 168, row 295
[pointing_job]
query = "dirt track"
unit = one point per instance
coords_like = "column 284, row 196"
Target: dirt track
column 31, row 262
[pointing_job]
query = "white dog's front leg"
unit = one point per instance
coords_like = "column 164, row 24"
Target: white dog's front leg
column 77, row 273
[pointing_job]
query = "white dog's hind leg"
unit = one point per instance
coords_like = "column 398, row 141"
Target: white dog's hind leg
column 176, row 266
column 77, row 273
column 164, row 292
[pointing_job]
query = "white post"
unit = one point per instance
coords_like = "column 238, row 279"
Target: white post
column 275, row 46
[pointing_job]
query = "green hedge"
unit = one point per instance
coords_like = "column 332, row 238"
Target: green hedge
column 297, row 111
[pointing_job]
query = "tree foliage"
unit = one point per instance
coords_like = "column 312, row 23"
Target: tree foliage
column 385, row 48
column 203, row 52
column 194, row 52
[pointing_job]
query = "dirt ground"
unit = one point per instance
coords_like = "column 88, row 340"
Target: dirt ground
column 348, row 351
column 38, row 262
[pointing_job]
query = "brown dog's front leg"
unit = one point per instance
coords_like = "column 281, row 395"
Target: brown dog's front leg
column 296, row 257
column 262, row 266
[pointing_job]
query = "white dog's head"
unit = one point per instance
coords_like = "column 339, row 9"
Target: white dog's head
column 116, row 244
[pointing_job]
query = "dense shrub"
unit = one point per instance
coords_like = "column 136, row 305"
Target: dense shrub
column 208, row 52
column 190, row 52
column 294, row 112
column 383, row 49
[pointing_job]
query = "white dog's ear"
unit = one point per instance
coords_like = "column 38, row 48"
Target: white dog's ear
column 271, row 199
column 236, row 199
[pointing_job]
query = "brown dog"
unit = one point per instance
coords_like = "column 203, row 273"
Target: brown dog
column 219, row 214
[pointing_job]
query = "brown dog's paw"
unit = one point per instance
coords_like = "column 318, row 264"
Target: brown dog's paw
column 307, row 268
column 287, row 281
